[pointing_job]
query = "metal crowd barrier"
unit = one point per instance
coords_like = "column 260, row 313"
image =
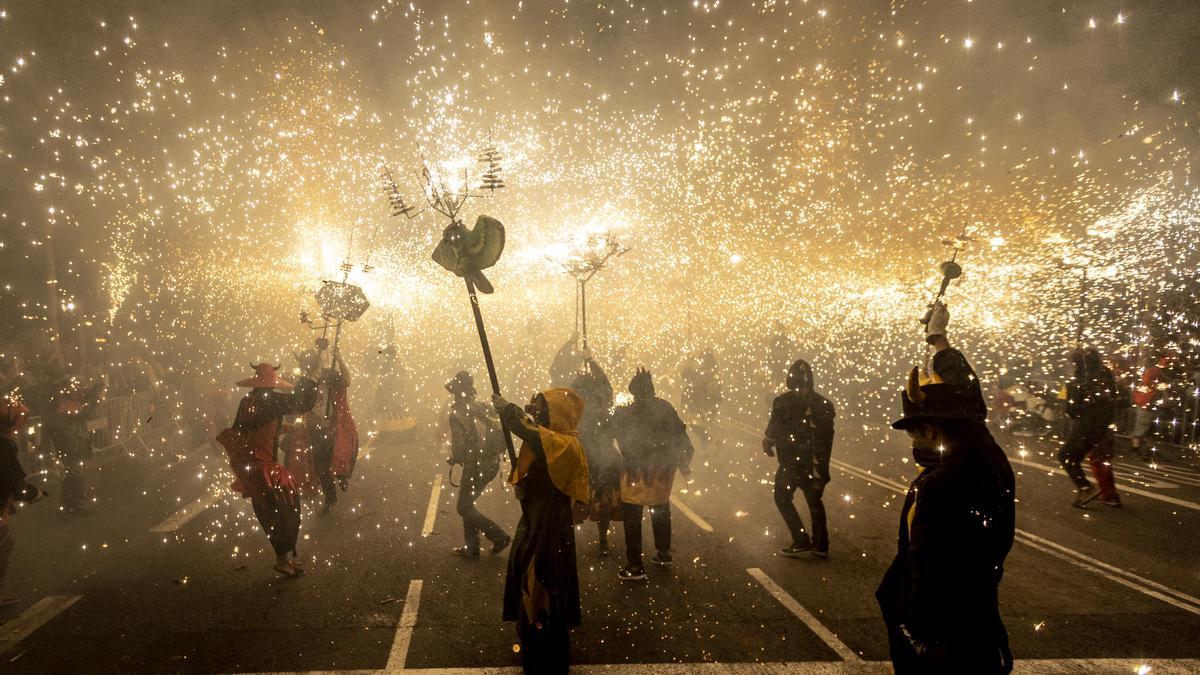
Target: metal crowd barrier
column 131, row 421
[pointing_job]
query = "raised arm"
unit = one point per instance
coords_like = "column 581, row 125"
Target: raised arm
column 518, row 424
column 341, row 366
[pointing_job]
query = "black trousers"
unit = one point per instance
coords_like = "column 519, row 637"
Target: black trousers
column 474, row 480
column 322, row 454
column 792, row 474
column 281, row 521
column 1084, row 436
column 660, row 523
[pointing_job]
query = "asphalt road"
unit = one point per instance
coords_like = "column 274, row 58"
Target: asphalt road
column 172, row 574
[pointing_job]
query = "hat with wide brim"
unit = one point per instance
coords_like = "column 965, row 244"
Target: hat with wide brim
column 934, row 402
column 461, row 384
column 266, row 376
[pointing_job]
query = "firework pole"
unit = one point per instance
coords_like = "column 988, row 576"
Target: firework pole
column 466, row 252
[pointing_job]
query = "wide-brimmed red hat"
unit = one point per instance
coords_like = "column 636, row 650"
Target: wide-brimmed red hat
column 265, row 376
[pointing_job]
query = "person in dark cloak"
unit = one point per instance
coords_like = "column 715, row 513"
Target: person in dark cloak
column 800, row 433
column 604, row 461
column 541, row 590
column 1092, row 405
column 476, row 444
column 13, row 486
column 654, row 444
column 252, row 444
column 939, row 597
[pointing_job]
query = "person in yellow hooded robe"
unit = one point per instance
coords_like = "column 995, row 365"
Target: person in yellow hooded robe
column 541, row 591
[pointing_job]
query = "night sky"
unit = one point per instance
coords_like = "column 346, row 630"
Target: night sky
column 200, row 167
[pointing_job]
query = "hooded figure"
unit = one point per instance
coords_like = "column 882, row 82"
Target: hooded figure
column 604, row 461
column 800, row 433
column 1092, row 404
column 654, row 444
column 252, row 444
column 939, row 597
column 541, row 591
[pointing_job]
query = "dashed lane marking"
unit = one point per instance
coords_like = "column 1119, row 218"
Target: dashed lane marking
column 32, row 619
column 1136, row 582
column 431, row 512
column 1143, row 472
column 1120, row 488
column 181, row 517
column 404, row 630
column 804, row 615
column 692, row 515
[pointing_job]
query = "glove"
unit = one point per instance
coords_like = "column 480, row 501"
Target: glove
column 499, row 404
column 322, row 344
column 939, row 317
column 768, row 446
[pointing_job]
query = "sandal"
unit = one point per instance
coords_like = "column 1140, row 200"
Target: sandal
column 288, row 570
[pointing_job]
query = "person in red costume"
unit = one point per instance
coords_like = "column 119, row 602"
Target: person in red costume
column 253, row 447
column 331, row 429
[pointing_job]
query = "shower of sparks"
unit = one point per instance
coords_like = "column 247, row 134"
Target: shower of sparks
column 779, row 171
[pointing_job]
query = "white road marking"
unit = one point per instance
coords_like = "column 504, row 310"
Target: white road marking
column 181, row 517
column 1022, row 667
column 32, row 619
column 1179, row 599
column 692, row 515
column 431, row 512
column 1138, row 583
column 1143, row 472
column 1120, row 488
column 804, row 615
column 404, row 630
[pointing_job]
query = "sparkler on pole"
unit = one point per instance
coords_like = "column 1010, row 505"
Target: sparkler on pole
column 466, row 252
column 949, row 269
column 339, row 302
column 583, row 264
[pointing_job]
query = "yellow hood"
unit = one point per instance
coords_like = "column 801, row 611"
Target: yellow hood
column 565, row 458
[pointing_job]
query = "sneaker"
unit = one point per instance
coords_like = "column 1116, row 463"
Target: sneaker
column 464, row 553
column 796, row 550
column 498, row 546
column 1085, row 495
column 1114, row 502
column 662, row 559
column 632, row 574
column 821, row 552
